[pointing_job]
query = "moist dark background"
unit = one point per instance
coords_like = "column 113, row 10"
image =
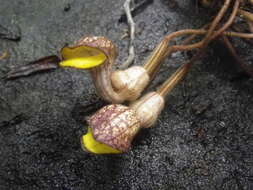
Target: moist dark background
column 202, row 140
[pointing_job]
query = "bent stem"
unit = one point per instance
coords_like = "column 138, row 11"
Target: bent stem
column 102, row 81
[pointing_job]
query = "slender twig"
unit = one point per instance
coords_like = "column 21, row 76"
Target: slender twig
column 43, row 64
column 138, row 8
column 131, row 25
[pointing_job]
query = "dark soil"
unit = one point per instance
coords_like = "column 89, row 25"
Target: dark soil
column 202, row 140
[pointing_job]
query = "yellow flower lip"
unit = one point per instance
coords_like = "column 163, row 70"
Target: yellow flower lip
column 82, row 57
column 90, row 144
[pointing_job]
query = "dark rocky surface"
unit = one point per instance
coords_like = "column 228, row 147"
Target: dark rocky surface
column 202, row 140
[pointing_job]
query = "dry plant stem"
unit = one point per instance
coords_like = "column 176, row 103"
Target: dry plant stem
column 245, row 14
column 232, row 50
column 131, row 25
column 44, row 64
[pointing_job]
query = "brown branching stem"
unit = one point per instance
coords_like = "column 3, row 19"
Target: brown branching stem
column 211, row 34
column 216, row 22
column 201, row 44
column 163, row 49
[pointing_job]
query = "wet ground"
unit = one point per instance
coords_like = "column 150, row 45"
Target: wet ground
column 202, row 140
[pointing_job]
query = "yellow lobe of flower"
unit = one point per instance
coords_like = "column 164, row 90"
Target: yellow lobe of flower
column 82, row 57
column 91, row 145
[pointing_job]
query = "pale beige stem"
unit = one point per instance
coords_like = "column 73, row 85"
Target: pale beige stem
column 131, row 24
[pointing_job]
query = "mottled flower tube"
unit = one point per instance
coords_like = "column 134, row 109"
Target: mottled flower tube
column 113, row 128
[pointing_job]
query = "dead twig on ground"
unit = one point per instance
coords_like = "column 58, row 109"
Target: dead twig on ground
column 131, row 24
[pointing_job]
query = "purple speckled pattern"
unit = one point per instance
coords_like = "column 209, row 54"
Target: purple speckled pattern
column 115, row 125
